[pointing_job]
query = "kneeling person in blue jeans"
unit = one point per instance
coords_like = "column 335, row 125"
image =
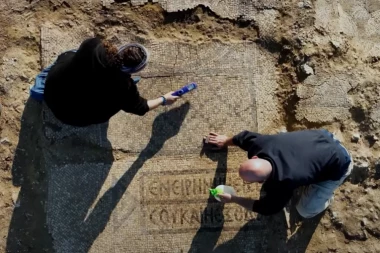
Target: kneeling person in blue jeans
column 286, row 161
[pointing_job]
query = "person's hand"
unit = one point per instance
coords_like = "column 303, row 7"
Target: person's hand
column 170, row 99
column 225, row 197
column 217, row 140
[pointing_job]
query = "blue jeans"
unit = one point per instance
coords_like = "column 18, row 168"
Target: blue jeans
column 317, row 197
column 341, row 147
column 38, row 89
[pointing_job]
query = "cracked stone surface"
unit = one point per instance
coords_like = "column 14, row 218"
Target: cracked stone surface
column 264, row 13
column 375, row 114
column 158, row 185
column 359, row 20
column 228, row 9
column 324, row 98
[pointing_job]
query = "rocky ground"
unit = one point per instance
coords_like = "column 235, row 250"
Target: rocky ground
column 328, row 66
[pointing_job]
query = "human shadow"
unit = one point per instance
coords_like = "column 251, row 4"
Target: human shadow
column 61, row 178
column 269, row 234
column 263, row 234
column 165, row 126
column 212, row 219
column 300, row 240
column 301, row 234
column 260, row 234
column 301, row 230
column 28, row 231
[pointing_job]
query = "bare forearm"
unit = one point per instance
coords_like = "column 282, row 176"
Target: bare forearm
column 244, row 202
column 167, row 99
column 154, row 103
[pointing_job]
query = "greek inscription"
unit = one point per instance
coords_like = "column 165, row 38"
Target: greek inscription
column 164, row 216
column 178, row 202
column 153, row 188
column 167, row 217
column 152, row 217
column 176, row 186
column 195, row 217
column 181, row 188
column 187, row 186
column 184, row 216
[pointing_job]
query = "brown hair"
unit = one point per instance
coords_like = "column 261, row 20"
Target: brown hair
column 130, row 57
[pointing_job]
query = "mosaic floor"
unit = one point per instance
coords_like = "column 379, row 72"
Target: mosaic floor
column 139, row 184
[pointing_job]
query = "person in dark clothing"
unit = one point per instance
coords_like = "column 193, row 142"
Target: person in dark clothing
column 90, row 85
column 314, row 159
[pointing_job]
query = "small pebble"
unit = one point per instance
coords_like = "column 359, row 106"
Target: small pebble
column 307, row 4
column 5, row 141
column 15, row 199
column 355, row 137
column 364, row 222
column 335, row 44
column 306, row 69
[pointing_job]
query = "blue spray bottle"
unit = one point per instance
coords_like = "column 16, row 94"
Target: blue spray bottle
column 185, row 89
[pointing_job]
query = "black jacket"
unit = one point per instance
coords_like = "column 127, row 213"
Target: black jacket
column 298, row 158
column 81, row 89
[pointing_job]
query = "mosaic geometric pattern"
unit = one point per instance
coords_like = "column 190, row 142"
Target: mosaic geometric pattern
column 56, row 41
column 222, row 103
column 323, row 98
column 154, row 197
column 167, row 203
column 232, row 9
column 228, row 77
column 119, row 207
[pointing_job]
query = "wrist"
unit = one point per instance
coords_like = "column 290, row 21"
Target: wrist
column 229, row 141
column 163, row 100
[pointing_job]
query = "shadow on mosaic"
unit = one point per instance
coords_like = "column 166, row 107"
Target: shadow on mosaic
column 64, row 215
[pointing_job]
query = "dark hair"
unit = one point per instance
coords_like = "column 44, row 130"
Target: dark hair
column 130, row 57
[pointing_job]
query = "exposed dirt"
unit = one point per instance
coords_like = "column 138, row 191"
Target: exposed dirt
column 351, row 226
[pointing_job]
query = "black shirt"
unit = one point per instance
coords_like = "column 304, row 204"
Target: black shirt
column 298, row 158
column 82, row 90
